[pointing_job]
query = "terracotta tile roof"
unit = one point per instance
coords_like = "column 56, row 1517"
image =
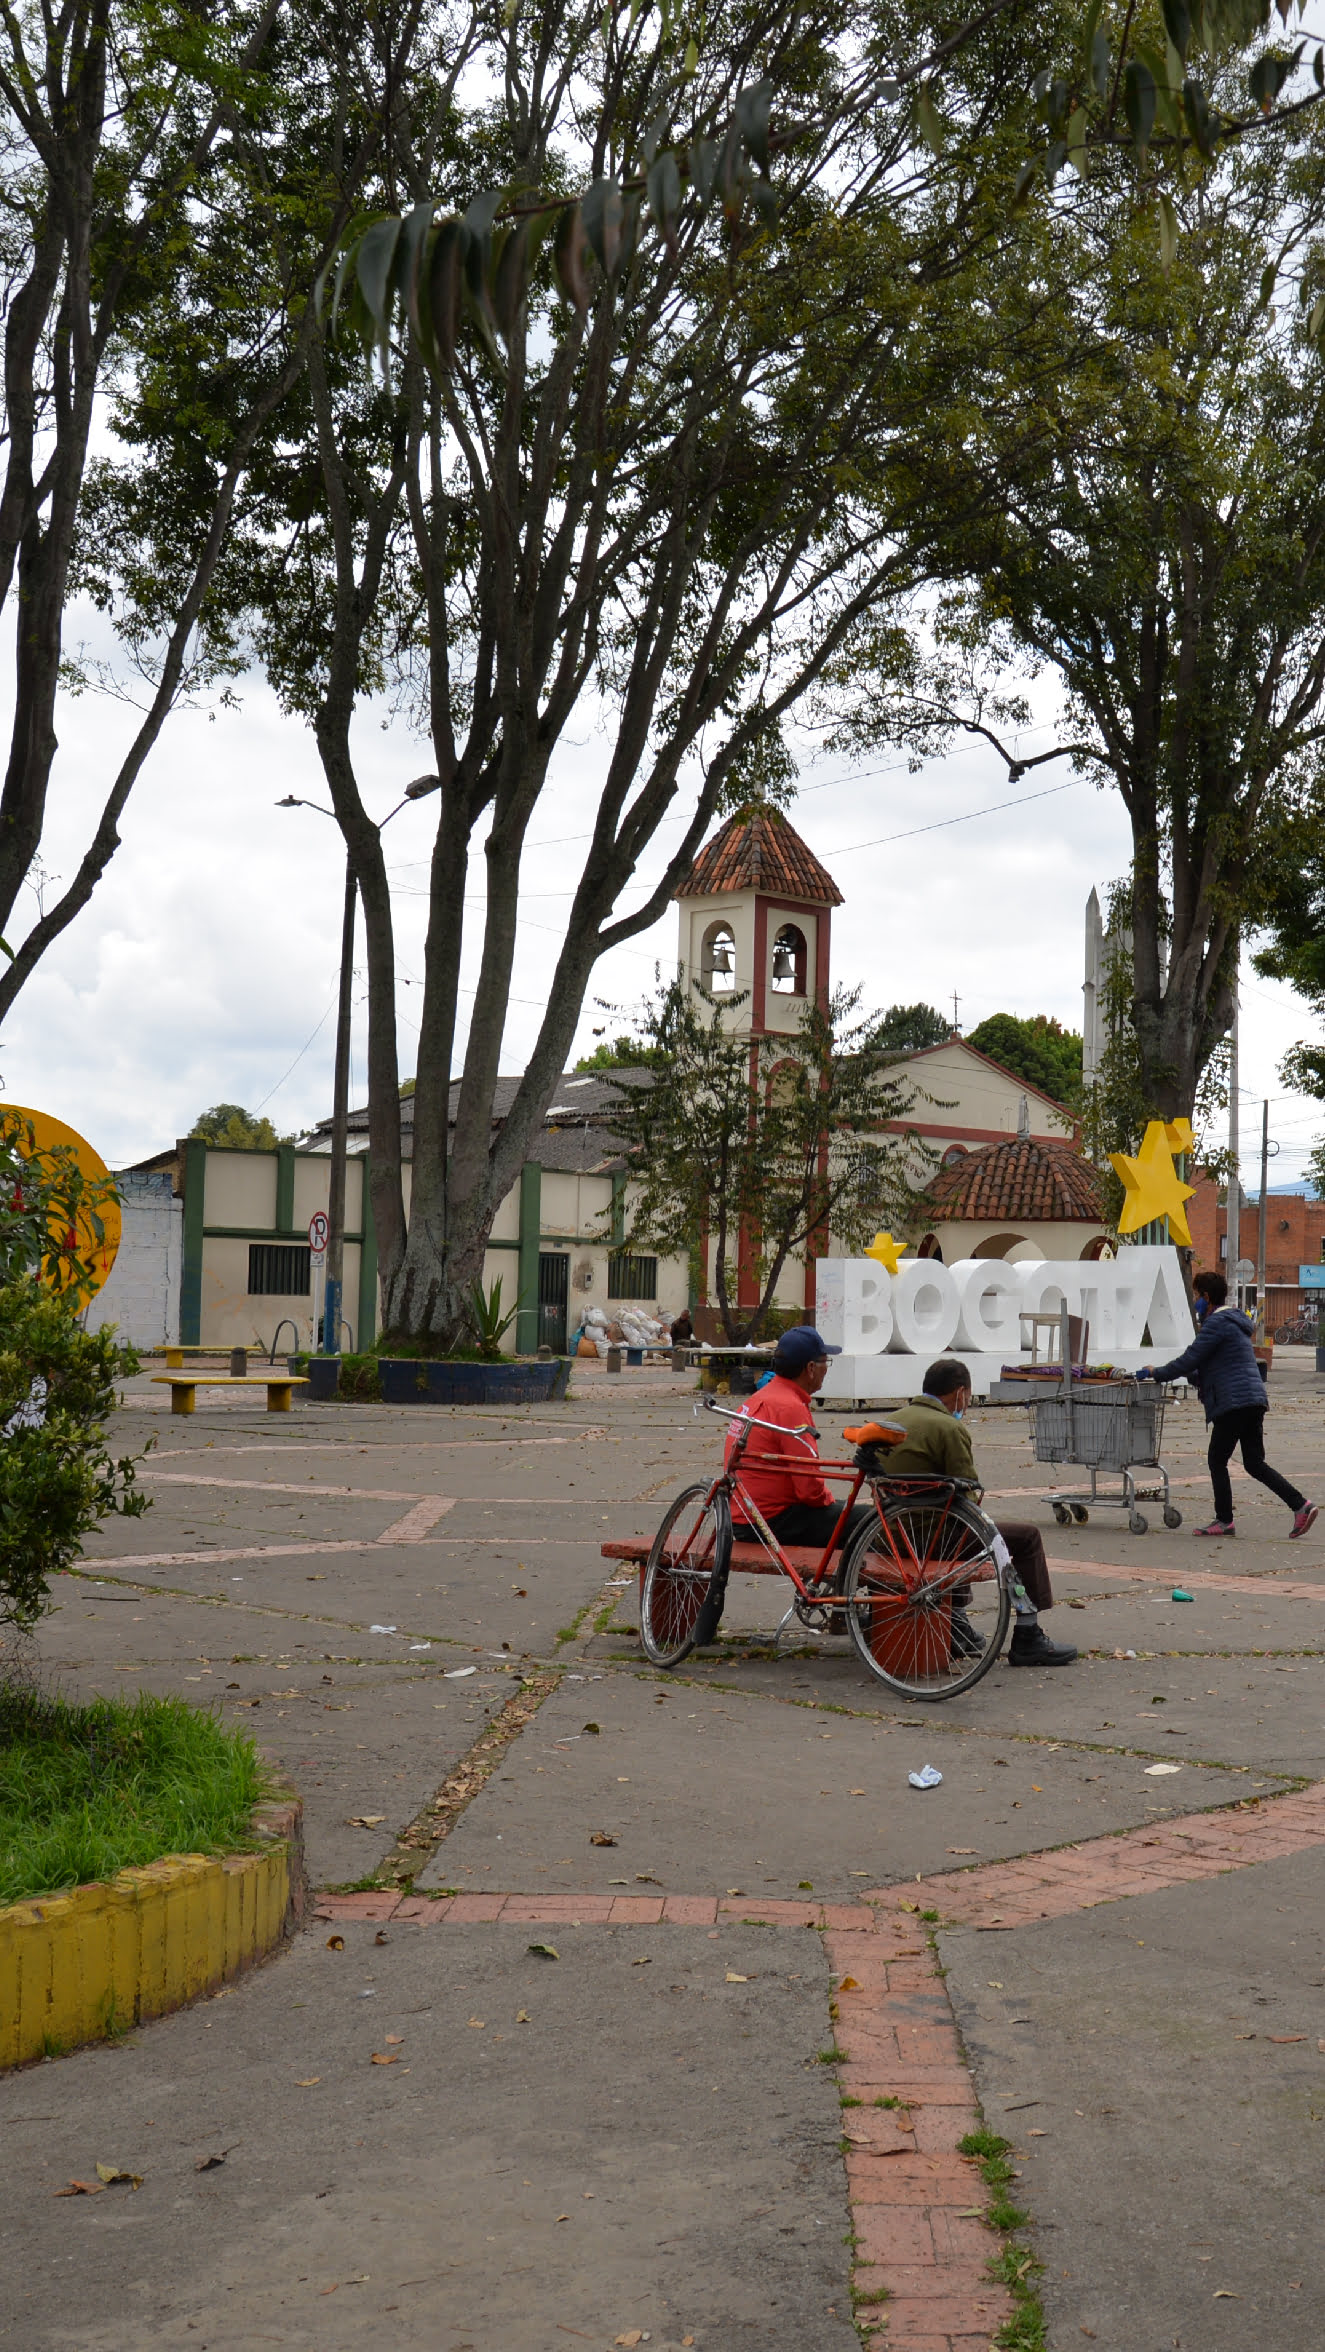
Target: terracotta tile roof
column 1017, row 1182
column 758, row 850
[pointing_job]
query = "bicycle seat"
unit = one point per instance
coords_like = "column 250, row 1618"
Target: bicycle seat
column 873, row 1440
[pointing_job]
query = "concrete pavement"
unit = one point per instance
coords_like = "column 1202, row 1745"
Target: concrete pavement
column 366, row 1589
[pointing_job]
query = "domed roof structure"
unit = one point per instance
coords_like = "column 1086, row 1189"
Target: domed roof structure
column 1023, row 1181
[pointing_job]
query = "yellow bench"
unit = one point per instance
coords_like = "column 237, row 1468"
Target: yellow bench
column 184, row 1385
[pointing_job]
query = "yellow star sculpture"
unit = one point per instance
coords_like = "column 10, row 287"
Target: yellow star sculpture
column 1153, row 1185
column 1181, row 1135
column 887, row 1251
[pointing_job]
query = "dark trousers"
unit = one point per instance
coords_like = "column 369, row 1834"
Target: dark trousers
column 1245, row 1428
column 813, row 1523
column 1029, row 1563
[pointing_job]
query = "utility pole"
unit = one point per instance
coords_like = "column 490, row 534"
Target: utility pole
column 1260, row 1225
column 1233, row 1218
column 340, row 1129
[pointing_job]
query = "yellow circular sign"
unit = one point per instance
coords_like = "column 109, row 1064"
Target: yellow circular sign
column 46, row 1132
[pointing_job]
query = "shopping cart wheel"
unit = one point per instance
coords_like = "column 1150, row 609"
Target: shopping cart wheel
column 1062, row 1514
column 1138, row 1523
column 1172, row 1516
column 1080, row 1514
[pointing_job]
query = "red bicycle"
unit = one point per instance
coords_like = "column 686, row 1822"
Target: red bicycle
column 923, row 1590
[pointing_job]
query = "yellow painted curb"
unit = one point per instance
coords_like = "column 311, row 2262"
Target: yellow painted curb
column 79, row 1966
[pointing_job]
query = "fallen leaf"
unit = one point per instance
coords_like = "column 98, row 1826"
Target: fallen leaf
column 849, row 1984
column 563, row 2217
column 593, row 1729
column 857, row 1792
column 908, row 1906
column 687, row 2339
column 1225, row 2295
column 477, row 2023
column 210, row 2163
column 108, row 2174
column 599, row 1837
column 1037, row 2135
column 733, row 1978
column 365, row 1820
column 1036, row 1789
column 645, row 1961
column 381, row 1936
column 80, row 2189
column 544, row 1951
column 306, row 2082
column 1285, row 2037
column 386, row 2058
column 335, row 1943
column 522, row 2017
column 394, row 2039
column 632, row 2336
column 963, row 1849
column 1251, row 2038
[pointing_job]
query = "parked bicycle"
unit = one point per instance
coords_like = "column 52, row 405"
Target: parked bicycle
column 923, row 1591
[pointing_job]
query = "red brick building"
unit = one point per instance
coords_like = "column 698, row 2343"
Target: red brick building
column 1294, row 1238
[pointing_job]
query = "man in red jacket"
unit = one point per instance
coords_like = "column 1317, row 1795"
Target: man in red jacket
column 780, row 1467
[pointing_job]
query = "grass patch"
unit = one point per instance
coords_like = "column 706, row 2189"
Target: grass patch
column 1014, row 2266
column 86, row 1791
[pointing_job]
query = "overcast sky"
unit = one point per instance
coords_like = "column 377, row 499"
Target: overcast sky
column 205, row 968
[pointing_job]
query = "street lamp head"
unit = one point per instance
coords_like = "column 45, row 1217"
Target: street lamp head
column 422, row 786
column 288, row 802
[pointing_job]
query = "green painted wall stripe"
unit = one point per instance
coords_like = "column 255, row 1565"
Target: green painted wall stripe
column 531, row 1218
column 285, row 1188
column 190, row 1285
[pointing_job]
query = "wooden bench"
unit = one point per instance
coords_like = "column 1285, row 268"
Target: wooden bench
column 183, row 1387
column 750, row 1556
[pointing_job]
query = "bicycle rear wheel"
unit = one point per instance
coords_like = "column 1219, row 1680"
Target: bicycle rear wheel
column 925, row 1604
column 685, row 1579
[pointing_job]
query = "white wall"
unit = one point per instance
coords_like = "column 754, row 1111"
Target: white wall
column 141, row 1293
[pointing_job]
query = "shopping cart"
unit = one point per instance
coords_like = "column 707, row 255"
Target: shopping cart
column 1115, row 1426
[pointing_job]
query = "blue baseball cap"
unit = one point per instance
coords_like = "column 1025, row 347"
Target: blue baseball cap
column 797, row 1348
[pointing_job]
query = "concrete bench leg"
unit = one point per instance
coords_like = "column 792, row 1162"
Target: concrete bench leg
column 279, row 1393
column 182, row 1398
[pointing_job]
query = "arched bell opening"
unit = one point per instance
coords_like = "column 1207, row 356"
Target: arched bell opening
column 790, row 962
column 717, row 965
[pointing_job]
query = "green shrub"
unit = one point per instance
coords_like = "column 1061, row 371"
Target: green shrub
column 86, row 1791
column 57, row 1480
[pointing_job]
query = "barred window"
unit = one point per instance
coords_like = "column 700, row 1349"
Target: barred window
column 278, row 1269
column 632, row 1278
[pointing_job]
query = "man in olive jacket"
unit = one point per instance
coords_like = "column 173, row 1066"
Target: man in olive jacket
column 938, row 1445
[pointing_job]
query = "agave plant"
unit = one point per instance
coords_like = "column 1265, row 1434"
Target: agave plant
column 489, row 1323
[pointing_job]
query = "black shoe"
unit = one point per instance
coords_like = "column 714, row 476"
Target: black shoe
column 1035, row 1649
column 966, row 1642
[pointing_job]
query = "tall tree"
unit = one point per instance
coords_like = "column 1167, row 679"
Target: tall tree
column 621, row 480
column 1036, row 1048
column 1153, row 538
column 174, row 183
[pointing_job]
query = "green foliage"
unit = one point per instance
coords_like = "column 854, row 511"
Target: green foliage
column 768, row 1169
column 240, row 1130
column 57, row 1480
column 911, row 1028
column 488, row 1321
column 87, row 1791
column 1036, row 1048
column 620, row 1053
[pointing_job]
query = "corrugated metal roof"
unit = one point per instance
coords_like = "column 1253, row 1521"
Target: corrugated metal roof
column 758, row 850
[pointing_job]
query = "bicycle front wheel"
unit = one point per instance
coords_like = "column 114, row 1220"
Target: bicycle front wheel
column 685, row 1580
column 925, row 1604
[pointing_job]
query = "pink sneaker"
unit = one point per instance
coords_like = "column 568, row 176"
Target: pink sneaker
column 1216, row 1527
column 1303, row 1519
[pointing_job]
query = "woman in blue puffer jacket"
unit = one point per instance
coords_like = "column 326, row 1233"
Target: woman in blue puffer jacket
column 1222, row 1362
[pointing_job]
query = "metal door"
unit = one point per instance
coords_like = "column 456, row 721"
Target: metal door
column 553, row 1290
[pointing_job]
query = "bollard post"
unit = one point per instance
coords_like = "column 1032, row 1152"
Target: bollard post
column 239, row 1363
column 614, row 1354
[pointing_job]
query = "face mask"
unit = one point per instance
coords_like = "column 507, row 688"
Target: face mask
column 1202, row 1307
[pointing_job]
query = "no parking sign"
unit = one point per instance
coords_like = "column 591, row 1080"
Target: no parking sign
column 317, row 1233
